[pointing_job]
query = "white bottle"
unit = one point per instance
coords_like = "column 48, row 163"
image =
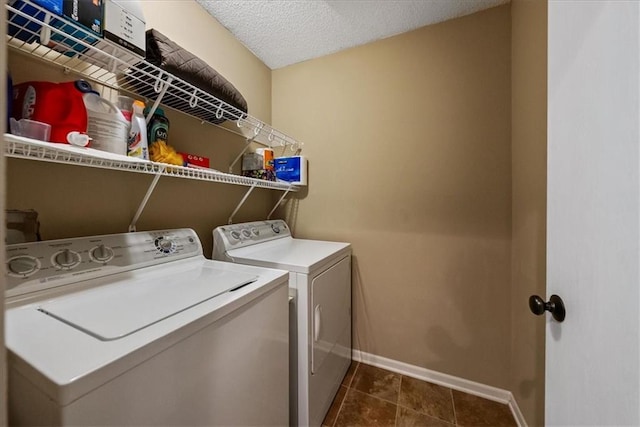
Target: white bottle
column 106, row 125
column 137, row 145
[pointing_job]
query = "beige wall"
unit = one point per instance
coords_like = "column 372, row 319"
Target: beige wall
column 529, row 156
column 78, row 201
column 408, row 141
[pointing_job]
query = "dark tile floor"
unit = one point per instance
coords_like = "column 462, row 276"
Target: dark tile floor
column 371, row 396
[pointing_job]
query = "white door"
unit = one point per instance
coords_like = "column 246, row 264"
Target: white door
column 592, row 358
column 3, row 181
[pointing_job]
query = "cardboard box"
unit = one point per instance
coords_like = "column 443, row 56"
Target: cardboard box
column 195, row 161
column 291, row 169
column 85, row 13
column 252, row 161
column 267, row 175
column 24, row 29
column 123, row 32
column 124, row 25
column 52, row 5
column 259, row 165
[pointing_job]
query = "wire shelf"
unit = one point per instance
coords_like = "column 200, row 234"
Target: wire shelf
column 25, row 148
column 42, row 34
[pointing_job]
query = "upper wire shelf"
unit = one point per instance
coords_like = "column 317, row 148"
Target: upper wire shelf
column 25, row 148
column 81, row 52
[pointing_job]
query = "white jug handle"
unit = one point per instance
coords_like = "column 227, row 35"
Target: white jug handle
column 78, row 139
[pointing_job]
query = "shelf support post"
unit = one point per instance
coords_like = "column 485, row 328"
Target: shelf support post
column 244, row 199
column 156, row 178
column 248, row 143
column 158, row 100
column 279, row 201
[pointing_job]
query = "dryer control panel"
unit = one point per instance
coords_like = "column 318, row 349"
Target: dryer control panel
column 37, row 266
column 249, row 233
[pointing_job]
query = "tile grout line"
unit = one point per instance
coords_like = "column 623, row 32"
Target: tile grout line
column 453, row 405
column 395, row 422
column 340, row 408
column 347, row 386
column 353, row 376
column 455, row 422
column 398, row 401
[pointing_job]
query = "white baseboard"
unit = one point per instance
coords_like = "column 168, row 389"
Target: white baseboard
column 446, row 380
column 515, row 410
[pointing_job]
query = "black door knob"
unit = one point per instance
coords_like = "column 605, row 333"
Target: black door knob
column 555, row 306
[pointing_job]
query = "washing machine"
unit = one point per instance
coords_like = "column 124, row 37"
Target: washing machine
column 141, row 329
column 320, row 293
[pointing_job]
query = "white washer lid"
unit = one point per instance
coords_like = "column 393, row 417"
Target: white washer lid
column 113, row 312
column 298, row 255
column 66, row 363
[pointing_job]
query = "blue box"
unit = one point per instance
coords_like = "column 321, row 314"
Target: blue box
column 85, row 12
column 25, row 29
column 292, row 170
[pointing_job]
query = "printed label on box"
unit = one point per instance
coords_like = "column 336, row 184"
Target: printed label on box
column 291, row 169
column 194, row 160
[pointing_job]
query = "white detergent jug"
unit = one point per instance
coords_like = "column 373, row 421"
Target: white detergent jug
column 107, row 126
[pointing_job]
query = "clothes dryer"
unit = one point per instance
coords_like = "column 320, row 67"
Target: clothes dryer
column 141, row 329
column 320, row 322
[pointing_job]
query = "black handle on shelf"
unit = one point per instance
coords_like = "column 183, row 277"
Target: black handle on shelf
column 555, row 306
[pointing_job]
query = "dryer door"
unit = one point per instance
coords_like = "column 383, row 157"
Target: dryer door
column 331, row 314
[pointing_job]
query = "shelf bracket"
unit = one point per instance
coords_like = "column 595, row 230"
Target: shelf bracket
column 156, row 178
column 154, row 107
column 280, row 201
column 244, row 150
column 244, row 199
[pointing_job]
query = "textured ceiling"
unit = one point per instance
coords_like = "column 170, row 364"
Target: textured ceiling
column 284, row 32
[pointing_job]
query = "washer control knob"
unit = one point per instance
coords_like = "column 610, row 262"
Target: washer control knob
column 275, row 228
column 67, row 259
column 165, row 245
column 23, row 265
column 101, row 253
column 255, row 232
column 246, row 233
column 235, row 234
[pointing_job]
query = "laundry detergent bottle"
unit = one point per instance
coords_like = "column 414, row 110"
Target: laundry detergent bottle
column 107, row 126
column 158, row 128
column 137, row 142
column 59, row 105
column 158, row 132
